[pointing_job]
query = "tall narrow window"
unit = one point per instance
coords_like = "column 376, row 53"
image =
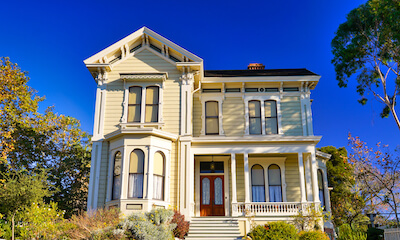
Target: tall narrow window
column 212, row 121
column 275, row 184
column 158, row 176
column 257, row 183
column 117, row 176
column 136, row 164
column 134, row 104
column 255, row 117
column 321, row 188
column 151, row 104
column 271, row 123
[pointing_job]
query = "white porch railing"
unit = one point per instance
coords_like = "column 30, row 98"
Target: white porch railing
column 269, row 208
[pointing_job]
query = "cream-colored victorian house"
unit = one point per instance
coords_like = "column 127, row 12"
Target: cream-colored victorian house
column 227, row 143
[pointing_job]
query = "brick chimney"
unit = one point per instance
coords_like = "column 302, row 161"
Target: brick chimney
column 256, row 66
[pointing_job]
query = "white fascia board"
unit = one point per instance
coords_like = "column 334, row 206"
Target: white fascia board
column 150, row 131
column 254, row 139
column 172, row 45
column 134, row 36
column 262, row 79
column 323, row 155
column 113, row 47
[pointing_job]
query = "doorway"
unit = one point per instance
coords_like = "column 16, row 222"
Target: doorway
column 212, row 197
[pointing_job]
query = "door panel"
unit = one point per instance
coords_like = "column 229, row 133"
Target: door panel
column 212, row 196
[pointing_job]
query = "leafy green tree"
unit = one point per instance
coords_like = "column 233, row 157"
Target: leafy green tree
column 31, row 141
column 19, row 190
column 368, row 45
column 347, row 205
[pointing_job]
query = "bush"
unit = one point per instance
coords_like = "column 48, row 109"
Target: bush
column 347, row 233
column 182, row 226
column 274, row 231
column 99, row 224
column 154, row 225
column 313, row 235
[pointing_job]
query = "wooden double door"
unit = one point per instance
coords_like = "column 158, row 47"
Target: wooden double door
column 212, row 199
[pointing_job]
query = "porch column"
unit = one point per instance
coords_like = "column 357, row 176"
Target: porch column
column 246, row 178
column 186, row 187
column 307, row 169
column 314, row 175
column 233, row 184
column 302, row 183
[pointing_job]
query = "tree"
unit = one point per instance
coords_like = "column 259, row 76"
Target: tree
column 347, row 204
column 19, row 190
column 31, row 141
column 368, row 45
column 378, row 175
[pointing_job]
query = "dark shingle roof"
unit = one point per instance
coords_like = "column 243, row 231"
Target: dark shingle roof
column 264, row 72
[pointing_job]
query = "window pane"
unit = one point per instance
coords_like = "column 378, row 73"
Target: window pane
column 212, row 109
column 258, row 193
column 257, row 175
column 116, row 187
column 254, row 109
column 255, row 126
column 205, row 191
column 320, row 181
column 117, row 164
column 158, row 164
column 158, row 187
column 135, row 95
column 271, row 126
column 212, row 125
column 134, row 113
column 136, row 161
column 218, row 191
column 151, row 113
column 322, row 198
column 152, row 95
column 275, row 194
column 274, row 175
column 135, row 182
column 270, row 108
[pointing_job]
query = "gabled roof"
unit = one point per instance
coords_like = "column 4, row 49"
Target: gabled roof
column 96, row 59
column 263, row 72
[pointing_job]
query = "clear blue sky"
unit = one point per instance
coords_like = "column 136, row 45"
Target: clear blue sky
column 50, row 39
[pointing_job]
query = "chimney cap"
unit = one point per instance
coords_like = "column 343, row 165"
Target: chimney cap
column 256, row 66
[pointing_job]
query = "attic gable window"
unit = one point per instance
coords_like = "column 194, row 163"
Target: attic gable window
column 174, row 58
column 135, row 48
column 155, row 48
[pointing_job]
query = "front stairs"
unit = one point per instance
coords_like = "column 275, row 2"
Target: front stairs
column 218, row 228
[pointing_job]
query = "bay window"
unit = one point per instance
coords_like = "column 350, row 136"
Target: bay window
column 116, row 187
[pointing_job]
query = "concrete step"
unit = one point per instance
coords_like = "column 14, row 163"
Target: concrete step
column 221, row 228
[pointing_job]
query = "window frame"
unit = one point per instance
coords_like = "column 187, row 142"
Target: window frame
column 262, row 98
column 207, row 97
column 252, row 184
column 144, row 86
column 113, row 175
column 265, row 162
column 211, row 117
column 250, row 117
column 163, row 176
column 320, row 171
column 269, row 184
column 129, row 173
column 276, row 117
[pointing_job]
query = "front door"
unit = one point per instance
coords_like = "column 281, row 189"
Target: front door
column 212, row 195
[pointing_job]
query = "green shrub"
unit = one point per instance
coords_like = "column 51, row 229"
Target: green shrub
column 347, row 233
column 154, row 225
column 313, row 235
column 182, row 226
column 274, row 231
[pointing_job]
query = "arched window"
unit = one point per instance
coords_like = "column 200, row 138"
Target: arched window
column 158, row 176
column 275, row 183
column 117, row 176
column 257, row 183
column 321, row 188
column 134, row 104
column 135, row 183
column 271, row 123
column 212, row 118
column 255, row 117
column 152, row 104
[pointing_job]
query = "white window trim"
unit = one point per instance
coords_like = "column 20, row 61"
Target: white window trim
column 142, row 123
column 265, row 162
column 263, row 98
column 218, row 97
